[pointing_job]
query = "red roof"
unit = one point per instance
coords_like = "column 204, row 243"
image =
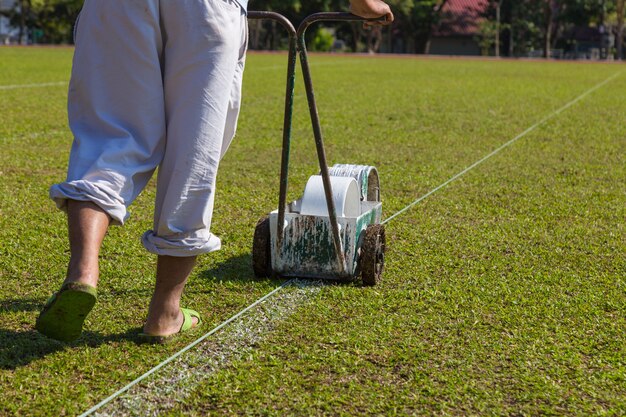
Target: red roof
column 461, row 17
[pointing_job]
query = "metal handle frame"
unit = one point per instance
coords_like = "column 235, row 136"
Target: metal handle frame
column 315, row 120
column 297, row 43
column 291, row 80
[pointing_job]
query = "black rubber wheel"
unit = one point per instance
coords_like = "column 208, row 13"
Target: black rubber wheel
column 261, row 252
column 373, row 254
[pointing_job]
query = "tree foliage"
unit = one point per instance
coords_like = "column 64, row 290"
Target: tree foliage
column 524, row 26
column 48, row 21
column 544, row 25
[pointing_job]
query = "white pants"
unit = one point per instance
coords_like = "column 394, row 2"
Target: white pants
column 155, row 83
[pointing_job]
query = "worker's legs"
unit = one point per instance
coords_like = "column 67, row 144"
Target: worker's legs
column 203, row 63
column 181, row 74
column 164, row 315
column 116, row 111
column 87, row 224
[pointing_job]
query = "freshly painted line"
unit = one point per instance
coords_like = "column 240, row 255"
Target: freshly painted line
column 172, row 385
column 17, row 86
column 510, row 142
column 180, row 352
column 260, row 300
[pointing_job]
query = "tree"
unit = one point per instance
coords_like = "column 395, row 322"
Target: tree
column 425, row 15
column 17, row 17
column 525, row 25
column 487, row 30
column 619, row 38
column 488, row 36
column 532, row 24
column 552, row 8
column 268, row 34
column 53, row 20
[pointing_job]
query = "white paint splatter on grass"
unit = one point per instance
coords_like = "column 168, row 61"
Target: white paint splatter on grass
column 176, row 382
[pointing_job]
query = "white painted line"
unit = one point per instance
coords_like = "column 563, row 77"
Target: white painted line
column 510, row 142
column 39, row 85
column 62, row 83
column 180, row 352
column 269, row 67
column 260, row 300
column 178, row 381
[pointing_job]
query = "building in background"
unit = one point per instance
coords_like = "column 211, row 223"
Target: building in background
column 458, row 28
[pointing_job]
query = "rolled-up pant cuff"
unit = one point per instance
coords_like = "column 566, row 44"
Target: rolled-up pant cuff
column 180, row 245
column 87, row 191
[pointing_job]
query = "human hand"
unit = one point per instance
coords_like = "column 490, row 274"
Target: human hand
column 371, row 9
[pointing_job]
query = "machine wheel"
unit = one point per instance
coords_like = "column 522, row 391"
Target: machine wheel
column 261, row 252
column 373, row 254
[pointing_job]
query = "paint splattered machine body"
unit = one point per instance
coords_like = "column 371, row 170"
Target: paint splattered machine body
column 304, row 246
column 334, row 230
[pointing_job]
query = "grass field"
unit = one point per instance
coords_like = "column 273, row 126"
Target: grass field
column 504, row 292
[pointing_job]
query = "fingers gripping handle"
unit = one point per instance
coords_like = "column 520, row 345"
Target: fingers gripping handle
column 334, row 17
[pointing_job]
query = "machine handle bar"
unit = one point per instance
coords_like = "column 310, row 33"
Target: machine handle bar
column 297, row 43
column 333, row 17
column 315, row 120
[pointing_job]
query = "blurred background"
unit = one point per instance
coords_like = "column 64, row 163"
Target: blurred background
column 558, row 29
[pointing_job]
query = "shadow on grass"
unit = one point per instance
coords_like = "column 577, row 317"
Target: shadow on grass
column 36, row 304
column 19, row 348
column 237, row 269
column 21, row 304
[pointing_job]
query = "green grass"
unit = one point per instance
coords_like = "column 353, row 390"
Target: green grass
column 504, row 292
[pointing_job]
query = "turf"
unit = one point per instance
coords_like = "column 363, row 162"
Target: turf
column 504, row 292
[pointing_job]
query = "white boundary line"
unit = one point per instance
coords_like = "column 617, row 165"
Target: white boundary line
column 61, row 83
column 164, row 391
column 510, row 142
column 283, row 285
column 17, row 86
column 185, row 349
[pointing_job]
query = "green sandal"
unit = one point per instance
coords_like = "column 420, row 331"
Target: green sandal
column 65, row 311
column 188, row 316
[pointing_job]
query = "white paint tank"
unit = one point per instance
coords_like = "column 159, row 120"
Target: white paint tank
column 345, row 195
